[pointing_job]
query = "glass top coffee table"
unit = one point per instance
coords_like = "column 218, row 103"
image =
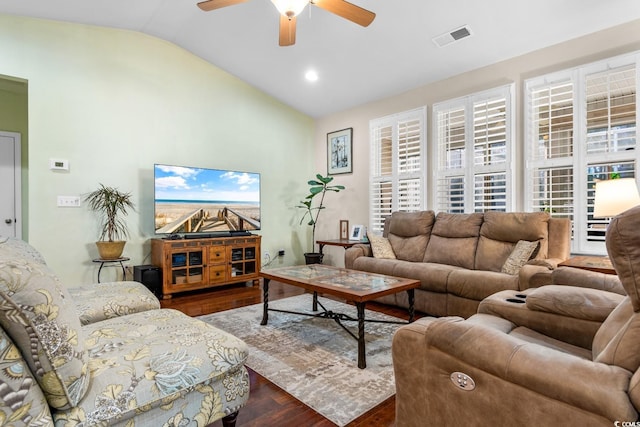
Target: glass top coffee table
column 351, row 285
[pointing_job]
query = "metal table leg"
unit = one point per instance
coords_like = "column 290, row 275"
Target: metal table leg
column 362, row 362
column 100, row 270
column 265, row 304
column 411, row 293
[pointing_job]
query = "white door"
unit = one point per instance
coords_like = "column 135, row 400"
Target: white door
column 10, row 189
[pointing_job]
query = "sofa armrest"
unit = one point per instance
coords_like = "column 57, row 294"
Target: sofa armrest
column 100, row 301
column 570, row 301
column 430, row 349
column 514, row 306
column 534, row 276
column 356, row 251
column 570, row 276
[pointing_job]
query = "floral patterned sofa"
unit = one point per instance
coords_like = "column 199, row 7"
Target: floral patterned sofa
column 107, row 354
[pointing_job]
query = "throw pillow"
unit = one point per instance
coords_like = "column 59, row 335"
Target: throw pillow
column 381, row 247
column 37, row 313
column 522, row 252
column 12, row 247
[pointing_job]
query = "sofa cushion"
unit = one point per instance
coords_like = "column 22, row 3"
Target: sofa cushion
column 615, row 343
column 454, row 239
column 477, row 285
column 37, row 313
column 375, row 265
column 433, row 277
column 519, row 256
column 409, row 234
column 99, row 301
column 501, row 231
column 150, row 360
column 381, row 247
column 622, row 234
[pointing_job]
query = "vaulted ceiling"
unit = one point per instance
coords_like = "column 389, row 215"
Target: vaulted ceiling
column 355, row 65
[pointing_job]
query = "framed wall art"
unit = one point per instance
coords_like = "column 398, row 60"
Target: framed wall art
column 339, row 154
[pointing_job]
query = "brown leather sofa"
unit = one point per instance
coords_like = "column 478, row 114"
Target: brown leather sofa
column 563, row 355
column 458, row 258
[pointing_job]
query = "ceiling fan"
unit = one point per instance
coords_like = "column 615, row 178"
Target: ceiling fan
column 289, row 9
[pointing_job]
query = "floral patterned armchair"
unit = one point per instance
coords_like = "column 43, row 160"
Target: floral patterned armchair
column 107, row 355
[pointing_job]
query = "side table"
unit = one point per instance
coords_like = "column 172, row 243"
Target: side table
column 601, row 264
column 108, row 261
column 345, row 243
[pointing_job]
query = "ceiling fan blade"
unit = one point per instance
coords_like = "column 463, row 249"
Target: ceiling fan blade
column 346, row 10
column 287, row 31
column 217, row 4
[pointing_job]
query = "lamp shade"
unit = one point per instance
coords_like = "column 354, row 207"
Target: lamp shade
column 290, row 8
column 614, row 196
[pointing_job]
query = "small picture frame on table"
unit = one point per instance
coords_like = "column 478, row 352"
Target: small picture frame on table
column 339, row 152
column 357, row 231
column 344, row 229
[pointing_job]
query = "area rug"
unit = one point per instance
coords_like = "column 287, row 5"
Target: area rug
column 314, row 359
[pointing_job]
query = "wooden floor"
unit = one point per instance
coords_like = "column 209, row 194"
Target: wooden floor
column 268, row 404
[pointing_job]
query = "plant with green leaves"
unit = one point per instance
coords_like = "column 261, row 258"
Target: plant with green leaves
column 112, row 205
column 317, row 187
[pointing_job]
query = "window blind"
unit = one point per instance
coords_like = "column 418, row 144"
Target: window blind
column 611, row 109
column 474, row 146
column 552, row 117
column 451, row 153
column 397, row 166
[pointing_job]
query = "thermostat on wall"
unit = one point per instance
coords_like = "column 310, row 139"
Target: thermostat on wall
column 59, row 164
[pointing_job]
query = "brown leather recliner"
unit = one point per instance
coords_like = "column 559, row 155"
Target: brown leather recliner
column 565, row 356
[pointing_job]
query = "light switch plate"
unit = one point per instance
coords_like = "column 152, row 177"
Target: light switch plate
column 68, row 201
column 59, row 164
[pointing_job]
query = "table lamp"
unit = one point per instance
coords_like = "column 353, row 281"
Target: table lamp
column 614, row 196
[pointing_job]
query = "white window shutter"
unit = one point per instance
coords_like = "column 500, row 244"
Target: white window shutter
column 550, row 129
column 450, row 129
column 580, row 127
column 398, row 165
column 474, row 141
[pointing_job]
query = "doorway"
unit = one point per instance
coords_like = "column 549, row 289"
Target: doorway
column 10, row 185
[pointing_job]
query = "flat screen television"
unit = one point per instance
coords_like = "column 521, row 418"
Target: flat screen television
column 200, row 202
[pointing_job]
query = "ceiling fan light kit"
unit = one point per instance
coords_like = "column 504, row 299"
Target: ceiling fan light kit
column 289, row 9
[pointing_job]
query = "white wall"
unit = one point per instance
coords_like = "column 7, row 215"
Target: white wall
column 115, row 102
column 353, row 204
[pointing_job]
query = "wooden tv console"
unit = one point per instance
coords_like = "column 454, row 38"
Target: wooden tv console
column 190, row 264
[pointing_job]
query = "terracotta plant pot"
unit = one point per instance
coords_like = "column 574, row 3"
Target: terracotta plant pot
column 110, row 250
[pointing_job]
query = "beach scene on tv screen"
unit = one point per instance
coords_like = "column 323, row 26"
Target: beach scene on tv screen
column 198, row 200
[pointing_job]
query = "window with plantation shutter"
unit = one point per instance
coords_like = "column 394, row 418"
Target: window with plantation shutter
column 549, row 175
column 451, row 142
column 397, row 181
column 580, row 127
column 474, row 140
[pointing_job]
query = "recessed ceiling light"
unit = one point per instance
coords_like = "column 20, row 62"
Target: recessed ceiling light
column 311, row 75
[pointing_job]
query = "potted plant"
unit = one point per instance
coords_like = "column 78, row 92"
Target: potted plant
column 111, row 205
column 317, row 187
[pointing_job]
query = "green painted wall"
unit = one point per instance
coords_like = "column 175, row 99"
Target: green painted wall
column 13, row 118
column 115, row 102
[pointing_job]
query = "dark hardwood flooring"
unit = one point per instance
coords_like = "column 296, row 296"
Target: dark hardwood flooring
column 268, row 404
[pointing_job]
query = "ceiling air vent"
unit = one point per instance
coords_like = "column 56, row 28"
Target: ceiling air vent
column 452, row 36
